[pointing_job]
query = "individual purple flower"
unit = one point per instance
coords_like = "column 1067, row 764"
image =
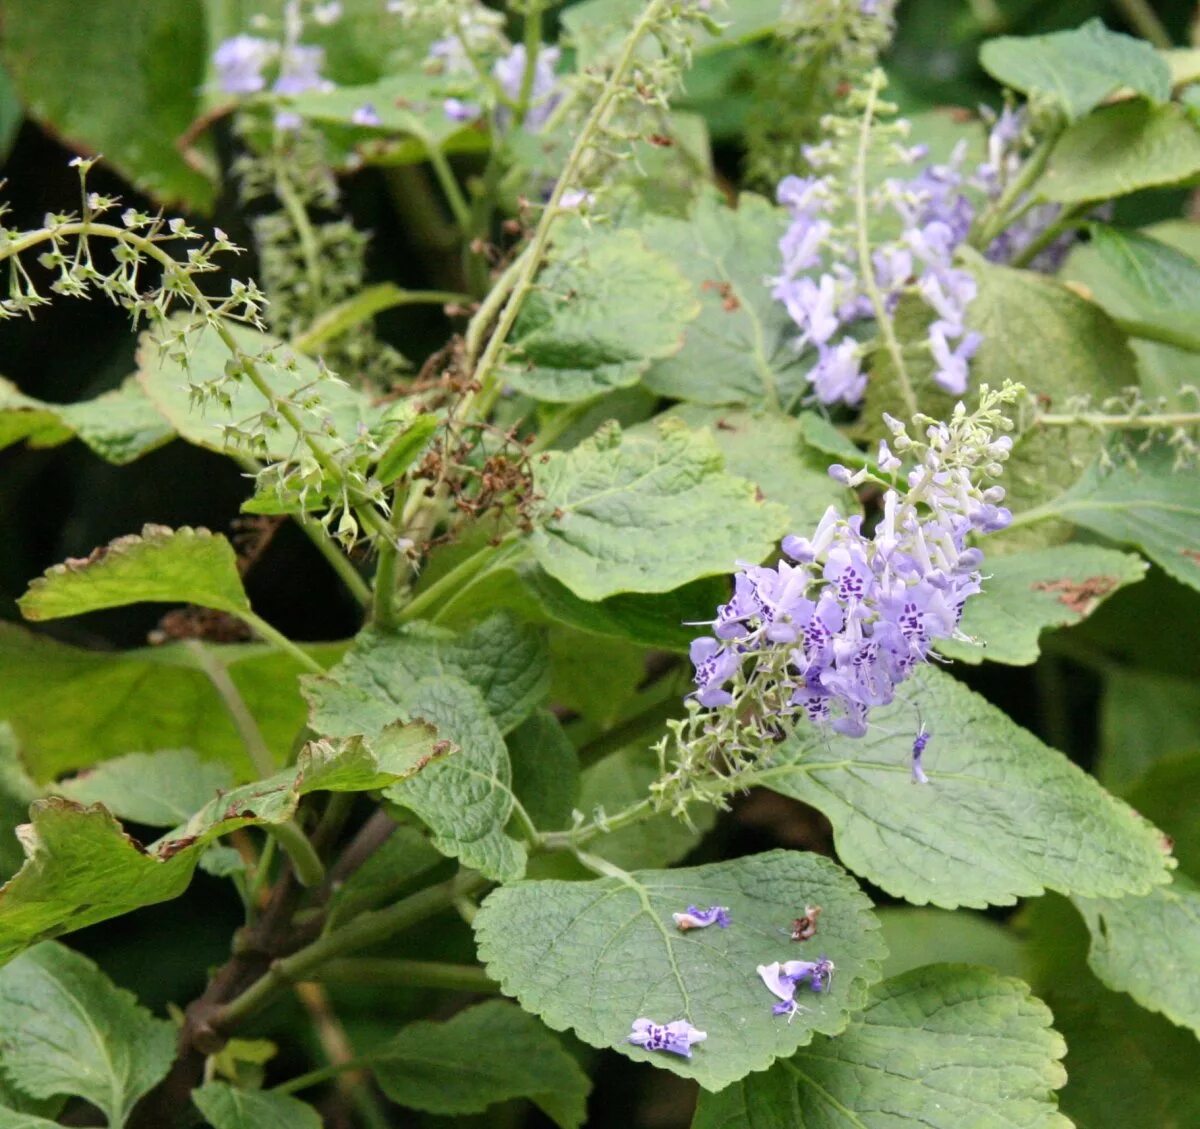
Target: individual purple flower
column 677, row 1038
column 300, row 70
column 951, row 371
column 240, row 61
column 715, row 665
column 783, row 978
column 459, row 111
column 838, row 377
column 366, row 114
column 918, row 748
column 695, row 918
column 544, row 94
column 286, row 121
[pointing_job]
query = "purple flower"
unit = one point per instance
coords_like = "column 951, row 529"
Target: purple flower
column 459, row 111
column 300, row 70
column 715, row 665
column 676, row 1038
column 239, row 62
column 783, row 978
column 918, row 747
column 366, row 114
column 544, row 95
column 696, row 918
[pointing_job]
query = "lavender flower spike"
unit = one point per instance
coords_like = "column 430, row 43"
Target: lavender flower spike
column 702, row 918
column 676, row 1038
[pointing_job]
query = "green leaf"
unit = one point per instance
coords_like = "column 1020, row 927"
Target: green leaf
column 1025, row 593
column 82, row 868
column 1078, row 69
column 174, row 566
column 402, row 452
column 404, row 859
column 739, row 351
column 490, row 1053
column 72, row 67
column 916, row 937
column 771, row 451
column 1121, row 149
column 977, row 833
column 1150, row 505
column 604, row 308
column 545, row 770
column 11, row 1119
column 1125, row 1066
column 66, row 1029
column 158, row 789
column 168, row 385
column 1144, row 716
column 1142, row 279
column 1166, row 795
column 466, row 801
column 505, row 660
column 640, row 513
column 946, row 1045
column 595, row 956
column 225, row 1107
column 1150, row 948
column 119, row 426
column 1059, row 345
column 66, row 705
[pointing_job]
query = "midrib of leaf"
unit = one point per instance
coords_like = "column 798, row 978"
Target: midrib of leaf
column 116, row 1112
column 790, row 1065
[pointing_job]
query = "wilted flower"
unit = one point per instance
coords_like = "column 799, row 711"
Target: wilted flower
column 782, row 979
column 702, row 918
column 918, row 747
column 677, row 1037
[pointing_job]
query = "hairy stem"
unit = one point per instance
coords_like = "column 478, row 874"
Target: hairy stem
column 386, row 972
column 1145, row 22
column 280, row 641
column 865, row 267
column 243, row 720
column 383, row 607
column 571, row 840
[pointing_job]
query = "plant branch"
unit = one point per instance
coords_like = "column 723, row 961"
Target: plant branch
column 1145, row 22
column 280, row 641
column 386, row 972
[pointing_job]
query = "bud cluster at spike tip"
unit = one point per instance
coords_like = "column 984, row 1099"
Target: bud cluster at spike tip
column 821, row 285
column 830, row 633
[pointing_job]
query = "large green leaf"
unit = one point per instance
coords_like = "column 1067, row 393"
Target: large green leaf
column 1026, row 593
column 545, row 769
column 489, row 1053
column 646, row 513
column 604, row 309
column 173, row 566
column 739, row 351
column 290, row 374
column 595, row 956
column 946, row 1046
column 403, row 861
column 1059, row 345
column 81, row 867
column 505, row 660
column 1166, row 794
column 1150, row 948
column 467, row 800
column 1078, row 69
column 118, row 79
column 158, row 789
column 1002, row 817
column 11, row 1119
column 119, row 426
column 68, row 707
column 1149, row 504
column 1121, row 149
column 771, row 451
column 66, row 1029
column 226, row 1107
column 1144, row 716
column 917, row 936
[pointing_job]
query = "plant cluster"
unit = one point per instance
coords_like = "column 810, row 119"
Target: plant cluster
column 694, row 503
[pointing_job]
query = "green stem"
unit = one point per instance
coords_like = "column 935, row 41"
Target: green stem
column 445, row 177
column 458, row 579
column 338, row 561
column 1145, row 22
column 865, row 266
column 571, row 840
column 308, row 867
column 367, row 929
column 1166, row 335
column 386, row 972
column 322, row 1074
column 298, row 214
column 383, row 608
column 997, row 217
column 531, row 258
column 280, row 641
column 354, row 311
column 1067, row 219
column 1130, row 422
column 533, row 45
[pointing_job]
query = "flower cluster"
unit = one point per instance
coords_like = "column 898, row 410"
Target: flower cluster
column 829, row 290
column 834, row 633
column 241, row 61
column 829, row 633
column 452, row 56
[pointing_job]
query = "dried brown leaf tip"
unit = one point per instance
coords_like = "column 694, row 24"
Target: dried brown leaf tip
column 1081, row 596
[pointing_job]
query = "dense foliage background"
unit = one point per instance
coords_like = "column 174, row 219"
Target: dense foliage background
column 1118, row 693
